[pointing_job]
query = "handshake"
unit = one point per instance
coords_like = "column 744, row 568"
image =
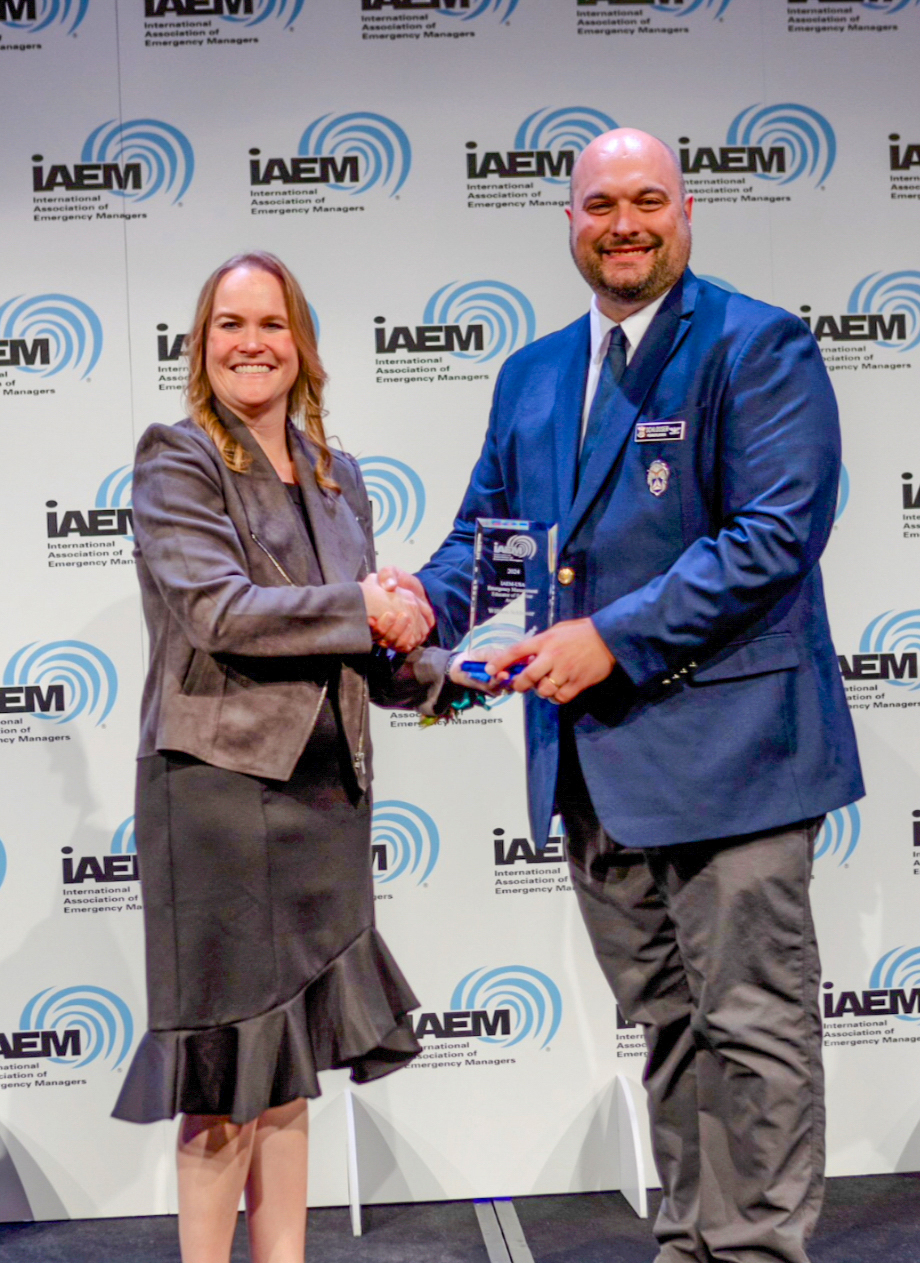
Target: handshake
column 398, row 612
column 401, row 618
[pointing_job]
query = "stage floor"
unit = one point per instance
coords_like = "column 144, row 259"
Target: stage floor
column 869, row 1219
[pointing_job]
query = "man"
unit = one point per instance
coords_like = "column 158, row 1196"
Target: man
column 685, row 713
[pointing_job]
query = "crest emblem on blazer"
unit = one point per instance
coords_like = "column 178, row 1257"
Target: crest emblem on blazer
column 658, row 477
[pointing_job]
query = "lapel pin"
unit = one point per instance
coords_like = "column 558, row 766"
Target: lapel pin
column 657, row 476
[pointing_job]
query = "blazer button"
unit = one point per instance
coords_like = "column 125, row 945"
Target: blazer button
column 566, row 575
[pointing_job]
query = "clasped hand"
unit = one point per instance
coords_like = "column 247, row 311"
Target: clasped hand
column 560, row 663
column 398, row 618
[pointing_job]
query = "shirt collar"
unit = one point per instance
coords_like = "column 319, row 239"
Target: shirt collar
column 634, row 326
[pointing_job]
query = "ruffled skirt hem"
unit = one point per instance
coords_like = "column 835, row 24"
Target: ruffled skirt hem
column 352, row 1014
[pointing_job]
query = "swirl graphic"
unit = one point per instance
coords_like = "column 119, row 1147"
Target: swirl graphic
column 888, row 294
column 123, row 840
column 2, row 863
column 45, row 12
column 843, row 493
column 381, row 146
column 70, row 328
column 807, row 136
column 571, row 127
column 898, row 970
column 717, row 280
column 533, row 998
column 315, row 318
column 504, row 9
column 86, row 673
column 684, row 7
column 396, row 493
column 887, row 6
column 411, row 838
column 167, row 159
column 115, row 490
column 494, row 636
column 894, row 634
column 507, row 315
column 839, row 834
column 265, row 9
column 102, row 1017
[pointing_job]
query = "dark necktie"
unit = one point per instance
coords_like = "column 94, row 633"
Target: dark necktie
column 612, row 369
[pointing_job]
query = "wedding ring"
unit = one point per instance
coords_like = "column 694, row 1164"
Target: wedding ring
column 553, row 682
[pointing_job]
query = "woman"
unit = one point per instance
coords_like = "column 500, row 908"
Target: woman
column 255, row 559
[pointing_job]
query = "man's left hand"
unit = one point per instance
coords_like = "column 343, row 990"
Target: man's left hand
column 564, row 661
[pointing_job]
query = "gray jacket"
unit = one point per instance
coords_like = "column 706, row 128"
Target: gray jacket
column 240, row 645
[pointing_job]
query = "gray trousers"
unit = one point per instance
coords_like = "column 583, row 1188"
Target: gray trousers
column 711, row 948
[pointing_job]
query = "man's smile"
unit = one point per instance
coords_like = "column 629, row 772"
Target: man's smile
column 625, row 249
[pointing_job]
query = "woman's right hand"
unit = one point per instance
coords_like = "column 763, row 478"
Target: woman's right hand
column 397, row 619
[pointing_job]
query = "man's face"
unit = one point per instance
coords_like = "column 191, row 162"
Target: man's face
column 630, row 227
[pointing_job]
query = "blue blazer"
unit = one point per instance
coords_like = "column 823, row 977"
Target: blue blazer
column 695, row 550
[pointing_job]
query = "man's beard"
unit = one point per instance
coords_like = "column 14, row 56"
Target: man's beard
column 667, row 267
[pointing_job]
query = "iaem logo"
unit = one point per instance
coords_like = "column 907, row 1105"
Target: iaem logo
column 507, row 1005
column 59, row 680
column 44, row 334
column 134, row 160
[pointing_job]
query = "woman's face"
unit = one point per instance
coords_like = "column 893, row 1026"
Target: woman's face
column 250, row 357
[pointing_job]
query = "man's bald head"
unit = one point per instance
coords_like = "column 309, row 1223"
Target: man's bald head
column 627, row 142
column 630, row 218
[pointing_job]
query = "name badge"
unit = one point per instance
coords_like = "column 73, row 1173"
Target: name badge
column 660, row 431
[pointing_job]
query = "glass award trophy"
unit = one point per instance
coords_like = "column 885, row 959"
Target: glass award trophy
column 513, row 592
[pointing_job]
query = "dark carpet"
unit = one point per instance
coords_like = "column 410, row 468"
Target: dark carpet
column 870, row 1219
column 866, row 1219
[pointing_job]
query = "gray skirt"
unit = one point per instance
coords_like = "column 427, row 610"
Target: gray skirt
column 263, row 963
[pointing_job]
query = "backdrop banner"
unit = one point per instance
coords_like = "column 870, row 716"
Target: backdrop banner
column 409, row 159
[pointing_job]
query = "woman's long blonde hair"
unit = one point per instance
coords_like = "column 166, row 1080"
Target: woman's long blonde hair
column 305, row 402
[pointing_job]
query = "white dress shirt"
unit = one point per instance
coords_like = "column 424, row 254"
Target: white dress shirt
column 634, row 328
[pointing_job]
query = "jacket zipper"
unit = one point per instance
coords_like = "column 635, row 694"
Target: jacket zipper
column 359, row 760
column 277, row 564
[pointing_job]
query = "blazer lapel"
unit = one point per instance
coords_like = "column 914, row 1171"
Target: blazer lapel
column 341, row 546
column 270, row 513
column 566, row 417
column 664, row 336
